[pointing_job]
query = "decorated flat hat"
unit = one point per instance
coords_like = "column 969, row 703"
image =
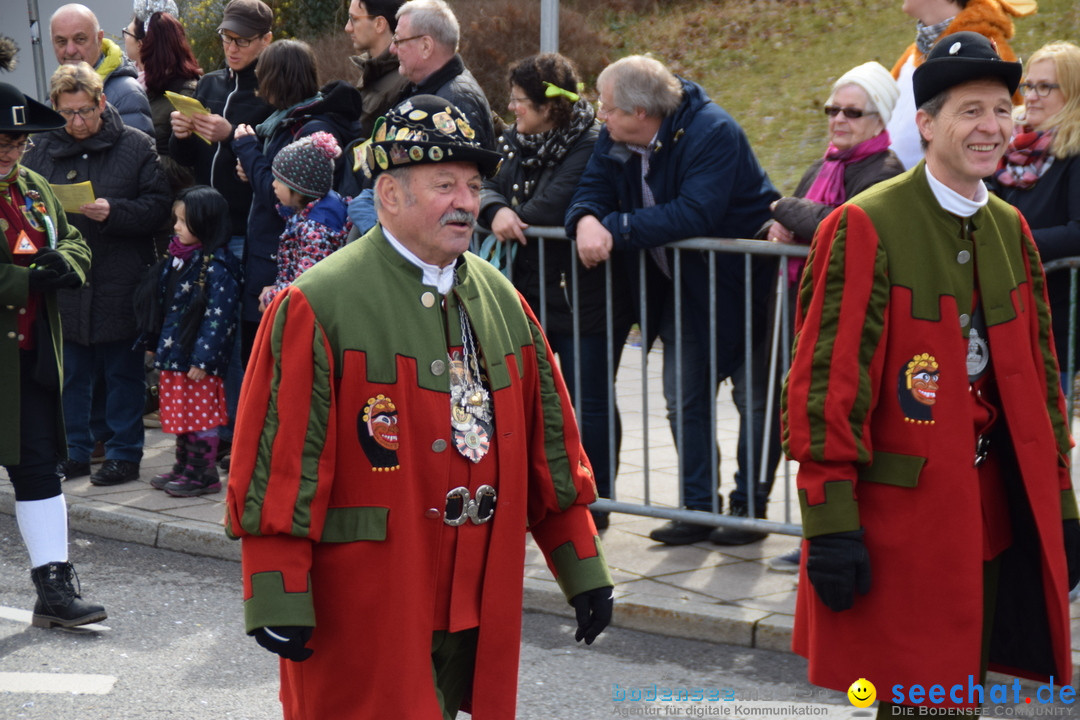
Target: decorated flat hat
column 426, row 129
column 21, row 114
column 960, row 58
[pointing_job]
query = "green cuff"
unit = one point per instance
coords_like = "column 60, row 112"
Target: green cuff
column 270, row 605
column 839, row 512
column 1068, row 505
column 576, row 575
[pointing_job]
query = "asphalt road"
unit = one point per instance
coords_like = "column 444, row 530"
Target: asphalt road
column 174, row 647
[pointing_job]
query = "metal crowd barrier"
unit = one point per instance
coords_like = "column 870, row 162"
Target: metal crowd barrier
column 778, row 362
column 1068, row 366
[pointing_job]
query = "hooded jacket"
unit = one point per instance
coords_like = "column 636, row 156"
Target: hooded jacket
column 122, row 88
column 336, row 110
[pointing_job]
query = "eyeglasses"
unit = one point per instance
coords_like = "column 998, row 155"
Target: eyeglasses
column 397, row 41
column 240, row 42
column 1041, row 89
column 849, row 113
column 19, row 147
column 519, row 100
column 84, row 113
column 603, row 110
column 354, row 19
column 130, row 34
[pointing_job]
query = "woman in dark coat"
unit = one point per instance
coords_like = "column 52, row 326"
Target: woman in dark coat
column 131, row 201
column 1040, row 173
column 41, row 253
column 544, row 153
column 288, row 80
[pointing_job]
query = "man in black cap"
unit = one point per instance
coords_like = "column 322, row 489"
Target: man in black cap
column 40, row 254
column 402, row 423
column 924, row 408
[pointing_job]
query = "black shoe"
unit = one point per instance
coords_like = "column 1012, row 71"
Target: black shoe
column 600, row 519
column 115, row 472
column 72, row 469
column 735, row 536
column 59, row 603
column 788, row 562
column 676, row 532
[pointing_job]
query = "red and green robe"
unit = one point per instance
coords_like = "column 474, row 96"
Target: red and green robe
column 888, row 296
column 342, row 461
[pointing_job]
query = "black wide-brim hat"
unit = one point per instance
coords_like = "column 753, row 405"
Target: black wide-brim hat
column 960, row 58
column 20, row 114
column 426, row 129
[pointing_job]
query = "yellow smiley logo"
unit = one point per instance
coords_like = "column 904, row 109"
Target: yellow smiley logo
column 862, row 693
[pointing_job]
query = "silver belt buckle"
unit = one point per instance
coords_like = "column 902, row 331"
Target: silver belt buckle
column 461, row 507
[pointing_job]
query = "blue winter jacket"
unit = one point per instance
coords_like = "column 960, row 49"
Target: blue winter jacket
column 214, row 342
column 706, row 182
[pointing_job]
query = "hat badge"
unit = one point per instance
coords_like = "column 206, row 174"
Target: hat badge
column 955, row 48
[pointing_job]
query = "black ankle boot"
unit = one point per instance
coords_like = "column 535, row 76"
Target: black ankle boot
column 59, row 603
column 159, row 482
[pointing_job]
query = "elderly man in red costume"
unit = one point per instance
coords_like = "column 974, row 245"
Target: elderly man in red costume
column 401, row 425
column 924, row 408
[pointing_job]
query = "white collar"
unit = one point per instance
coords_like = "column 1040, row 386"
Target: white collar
column 952, row 201
column 442, row 278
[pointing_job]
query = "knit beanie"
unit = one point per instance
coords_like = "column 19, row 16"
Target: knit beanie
column 307, row 165
column 878, row 83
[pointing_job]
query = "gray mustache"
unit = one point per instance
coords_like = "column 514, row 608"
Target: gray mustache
column 458, row 216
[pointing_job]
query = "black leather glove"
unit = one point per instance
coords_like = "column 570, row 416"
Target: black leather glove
column 1072, row 551
column 287, row 641
column 838, row 565
column 593, row 608
column 65, row 281
column 41, row 278
column 49, row 259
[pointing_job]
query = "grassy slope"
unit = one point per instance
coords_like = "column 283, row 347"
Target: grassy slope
column 771, row 63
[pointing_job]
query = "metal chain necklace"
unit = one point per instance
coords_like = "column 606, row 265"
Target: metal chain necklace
column 470, row 401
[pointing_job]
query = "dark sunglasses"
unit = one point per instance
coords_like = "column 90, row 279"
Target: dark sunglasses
column 849, row 113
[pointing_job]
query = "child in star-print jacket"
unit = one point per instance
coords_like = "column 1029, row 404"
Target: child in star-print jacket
column 316, row 219
column 200, row 290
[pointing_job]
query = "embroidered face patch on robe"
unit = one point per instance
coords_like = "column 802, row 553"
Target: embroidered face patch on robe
column 917, row 388
column 377, row 430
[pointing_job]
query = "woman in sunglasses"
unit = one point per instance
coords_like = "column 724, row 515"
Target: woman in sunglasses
column 858, row 156
column 1040, row 172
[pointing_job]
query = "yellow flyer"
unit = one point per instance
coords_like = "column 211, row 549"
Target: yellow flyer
column 74, row 196
column 187, row 106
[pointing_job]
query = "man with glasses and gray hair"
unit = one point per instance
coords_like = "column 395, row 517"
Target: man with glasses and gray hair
column 77, row 37
column 671, row 164
column 426, row 46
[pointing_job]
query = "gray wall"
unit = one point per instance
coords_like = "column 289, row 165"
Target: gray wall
column 113, row 15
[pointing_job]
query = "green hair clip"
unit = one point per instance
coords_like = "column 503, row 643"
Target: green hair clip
column 553, row 91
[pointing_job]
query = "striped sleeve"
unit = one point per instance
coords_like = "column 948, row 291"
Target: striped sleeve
column 836, row 365
column 284, row 446
column 561, row 484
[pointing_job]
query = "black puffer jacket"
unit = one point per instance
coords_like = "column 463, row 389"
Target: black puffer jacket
column 455, row 83
column 123, row 167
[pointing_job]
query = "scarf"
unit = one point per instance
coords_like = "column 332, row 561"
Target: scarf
column 1027, row 157
column 828, row 188
column 181, row 253
column 269, row 126
column 547, row 149
column 927, row 35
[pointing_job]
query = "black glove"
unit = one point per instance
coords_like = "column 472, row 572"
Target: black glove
column 593, row 608
column 41, row 279
column 838, row 565
column 287, row 641
column 1072, row 551
column 49, row 259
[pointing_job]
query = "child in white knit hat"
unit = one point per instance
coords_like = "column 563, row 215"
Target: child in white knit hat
column 316, row 221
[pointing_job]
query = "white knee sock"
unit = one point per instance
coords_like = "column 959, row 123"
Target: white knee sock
column 44, row 529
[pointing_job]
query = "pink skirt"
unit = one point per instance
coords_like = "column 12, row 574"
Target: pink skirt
column 191, row 405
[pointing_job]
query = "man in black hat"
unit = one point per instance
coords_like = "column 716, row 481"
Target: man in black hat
column 402, row 422
column 924, row 408
column 40, row 254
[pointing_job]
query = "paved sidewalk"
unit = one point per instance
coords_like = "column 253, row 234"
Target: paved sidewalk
column 699, row 591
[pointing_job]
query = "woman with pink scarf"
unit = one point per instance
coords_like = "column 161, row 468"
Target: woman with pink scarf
column 858, row 108
column 1040, row 173
column 858, row 156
